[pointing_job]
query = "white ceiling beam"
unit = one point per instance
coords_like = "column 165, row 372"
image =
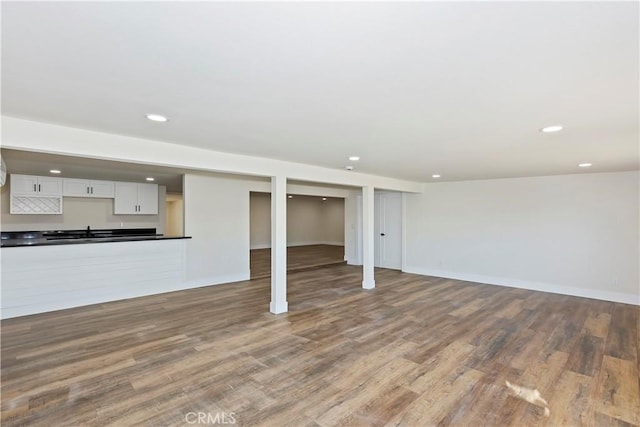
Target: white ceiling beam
column 29, row 135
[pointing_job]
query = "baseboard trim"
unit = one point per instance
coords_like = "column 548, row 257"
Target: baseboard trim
column 278, row 307
column 625, row 298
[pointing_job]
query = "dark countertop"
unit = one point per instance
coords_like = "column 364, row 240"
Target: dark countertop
column 74, row 237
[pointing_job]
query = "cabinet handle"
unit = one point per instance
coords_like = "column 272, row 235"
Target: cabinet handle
column 87, row 190
column 34, row 188
column 91, row 190
column 39, row 189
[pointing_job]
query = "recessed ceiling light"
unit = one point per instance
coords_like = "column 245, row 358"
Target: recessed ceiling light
column 150, row 179
column 549, row 129
column 435, row 176
column 324, row 198
column 585, row 165
column 354, row 158
column 54, row 171
column 291, row 197
column 156, row 117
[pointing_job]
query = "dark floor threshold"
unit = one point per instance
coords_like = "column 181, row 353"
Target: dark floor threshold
column 300, row 268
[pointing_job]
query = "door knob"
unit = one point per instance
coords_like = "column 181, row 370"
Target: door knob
column 382, row 234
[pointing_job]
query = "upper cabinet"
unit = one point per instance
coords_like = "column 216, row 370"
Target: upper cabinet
column 43, row 194
column 135, row 199
column 36, row 185
column 35, row 195
column 88, row 188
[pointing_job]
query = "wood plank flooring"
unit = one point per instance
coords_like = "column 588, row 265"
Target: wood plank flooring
column 415, row 351
column 298, row 258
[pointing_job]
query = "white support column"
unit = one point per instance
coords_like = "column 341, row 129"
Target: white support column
column 279, row 245
column 368, row 281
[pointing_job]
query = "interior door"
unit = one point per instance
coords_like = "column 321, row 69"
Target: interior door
column 388, row 230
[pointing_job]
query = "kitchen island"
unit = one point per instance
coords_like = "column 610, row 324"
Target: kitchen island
column 46, row 271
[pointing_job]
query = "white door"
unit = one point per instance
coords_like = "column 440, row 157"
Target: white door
column 388, row 230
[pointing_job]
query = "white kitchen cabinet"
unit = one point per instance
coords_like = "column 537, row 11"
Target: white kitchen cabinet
column 126, row 200
column 106, row 189
column 148, row 199
column 135, row 199
column 88, row 188
column 36, row 185
column 35, row 195
column 24, row 184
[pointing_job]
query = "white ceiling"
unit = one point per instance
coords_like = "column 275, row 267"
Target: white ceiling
column 459, row 88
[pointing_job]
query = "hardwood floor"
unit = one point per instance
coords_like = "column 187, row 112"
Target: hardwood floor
column 414, row 351
column 298, row 258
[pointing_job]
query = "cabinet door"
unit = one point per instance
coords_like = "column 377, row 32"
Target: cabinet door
column 126, row 198
column 49, row 186
column 24, row 184
column 148, row 199
column 76, row 187
column 104, row 189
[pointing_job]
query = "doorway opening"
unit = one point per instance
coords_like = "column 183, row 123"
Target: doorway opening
column 315, row 232
column 174, row 218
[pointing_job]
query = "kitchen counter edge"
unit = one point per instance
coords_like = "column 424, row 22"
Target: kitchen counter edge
column 21, row 243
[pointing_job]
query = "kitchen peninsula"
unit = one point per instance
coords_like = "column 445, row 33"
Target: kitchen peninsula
column 53, row 270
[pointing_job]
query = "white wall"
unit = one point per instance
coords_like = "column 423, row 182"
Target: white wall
column 333, row 217
column 80, row 212
column 310, row 221
column 570, row 234
column 260, row 218
column 352, row 237
column 216, row 216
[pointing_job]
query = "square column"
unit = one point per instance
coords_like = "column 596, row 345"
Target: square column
column 368, row 251
column 278, row 245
